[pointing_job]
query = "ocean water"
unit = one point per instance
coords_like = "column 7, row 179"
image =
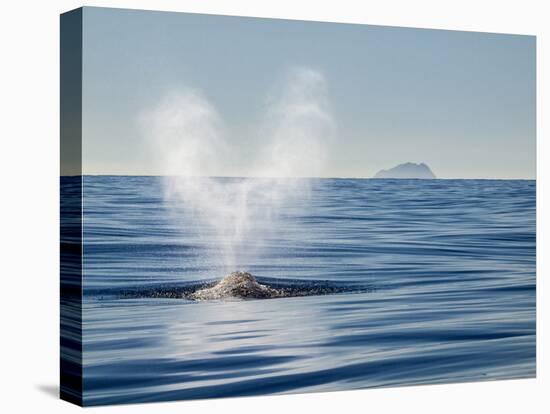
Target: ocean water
column 435, row 284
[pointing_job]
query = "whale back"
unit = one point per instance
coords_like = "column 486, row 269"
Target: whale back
column 236, row 285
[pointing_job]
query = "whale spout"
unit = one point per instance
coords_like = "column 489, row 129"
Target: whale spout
column 236, row 285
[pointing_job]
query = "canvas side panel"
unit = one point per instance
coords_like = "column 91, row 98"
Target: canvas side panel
column 71, row 207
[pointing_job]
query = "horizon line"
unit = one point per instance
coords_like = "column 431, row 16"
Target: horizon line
column 300, row 177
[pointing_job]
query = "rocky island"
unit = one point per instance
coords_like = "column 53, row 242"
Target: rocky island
column 407, row 170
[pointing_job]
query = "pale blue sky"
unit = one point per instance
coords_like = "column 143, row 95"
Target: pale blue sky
column 462, row 102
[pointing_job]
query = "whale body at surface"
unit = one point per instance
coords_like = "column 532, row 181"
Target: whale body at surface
column 237, row 285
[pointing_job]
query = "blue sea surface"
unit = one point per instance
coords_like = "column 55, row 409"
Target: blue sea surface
column 441, row 277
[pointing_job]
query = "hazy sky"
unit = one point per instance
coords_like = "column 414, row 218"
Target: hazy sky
column 462, row 102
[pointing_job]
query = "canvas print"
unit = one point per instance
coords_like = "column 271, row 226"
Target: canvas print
column 257, row 206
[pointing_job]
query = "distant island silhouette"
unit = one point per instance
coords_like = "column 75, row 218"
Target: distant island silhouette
column 407, row 170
